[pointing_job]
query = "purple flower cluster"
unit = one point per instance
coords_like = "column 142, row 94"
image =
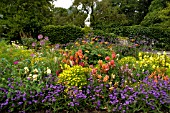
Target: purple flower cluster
column 146, row 95
column 19, row 99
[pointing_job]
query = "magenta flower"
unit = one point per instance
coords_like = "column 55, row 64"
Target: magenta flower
column 16, row 62
column 40, row 36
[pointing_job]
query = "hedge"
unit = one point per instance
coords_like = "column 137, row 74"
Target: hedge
column 62, row 34
column 162, row 35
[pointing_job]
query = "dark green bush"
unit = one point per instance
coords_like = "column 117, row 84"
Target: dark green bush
column 62, row 34
column 162, row 35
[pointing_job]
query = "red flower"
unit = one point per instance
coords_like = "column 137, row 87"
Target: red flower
column 71, row 58
column 81, row 64
column 112, row 62
column 107, row 58
column 58, row 72
column 113, row 55
column 94, row 71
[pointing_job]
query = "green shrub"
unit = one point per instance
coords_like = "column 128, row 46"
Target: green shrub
column 110, row 37
column 160, row 34
column 62, row 34
column 87, row 30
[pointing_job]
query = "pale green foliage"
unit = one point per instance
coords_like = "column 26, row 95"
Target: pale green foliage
column 159, row 14
column 165, row 16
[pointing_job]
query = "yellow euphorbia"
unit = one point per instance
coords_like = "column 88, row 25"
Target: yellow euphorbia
column 74, row 76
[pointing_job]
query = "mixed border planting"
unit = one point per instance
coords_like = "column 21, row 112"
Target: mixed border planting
column 91, row 73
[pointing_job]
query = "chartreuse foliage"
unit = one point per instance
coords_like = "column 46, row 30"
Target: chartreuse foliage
column 74, row 76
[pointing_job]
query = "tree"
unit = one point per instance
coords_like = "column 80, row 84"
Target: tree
column 106, row 15
column 135, row 10
column 25, row 17
column 152, row 17
column 61, row 16
column 87, row 6
column 164, row 16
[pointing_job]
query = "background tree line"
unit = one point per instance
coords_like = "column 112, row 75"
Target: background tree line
column 20, row 17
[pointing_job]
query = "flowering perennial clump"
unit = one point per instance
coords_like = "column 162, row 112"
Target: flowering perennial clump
column 74, row 76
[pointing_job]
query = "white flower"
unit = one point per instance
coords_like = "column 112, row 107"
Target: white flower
column 35, row 76
column 113, row 76
column 26, row 70
column 158, row 53
column 71, row 63
column 48, row 71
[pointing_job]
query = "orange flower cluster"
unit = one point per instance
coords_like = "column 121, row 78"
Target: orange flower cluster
column 104, row 68
column 109, row 65
column 75, row 59
column 159, row 74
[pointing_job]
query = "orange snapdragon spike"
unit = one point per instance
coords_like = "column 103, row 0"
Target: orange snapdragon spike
column 106, row 78
column 105, row 67
column 81, row 56
column 99, row 76
column 152, row 74
column 155, row 80
column 94, row 71
column 80, row 51
column 113, row 55
column 100, row 62
column 166, row 78
column 71, row 58
column 64, row 60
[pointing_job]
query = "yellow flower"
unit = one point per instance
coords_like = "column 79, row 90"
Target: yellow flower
column 99, row 55
column 26, row 70
column 91, row 42
column 164, row 53
column 87, row 51
column 153, row 66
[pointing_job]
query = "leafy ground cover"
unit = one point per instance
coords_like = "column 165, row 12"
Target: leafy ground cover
column 90, row 74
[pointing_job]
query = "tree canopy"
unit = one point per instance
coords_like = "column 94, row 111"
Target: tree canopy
column 25, row 17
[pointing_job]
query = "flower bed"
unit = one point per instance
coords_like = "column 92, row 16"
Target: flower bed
column 87, row 75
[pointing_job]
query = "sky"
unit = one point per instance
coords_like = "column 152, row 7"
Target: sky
column 63, row 3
